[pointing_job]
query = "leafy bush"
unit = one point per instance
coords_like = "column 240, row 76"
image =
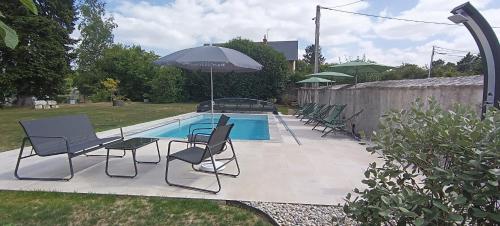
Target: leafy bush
column 166, row 86
column 101, row 95
column 440, row 168
column 132, row 66
column 264, row 84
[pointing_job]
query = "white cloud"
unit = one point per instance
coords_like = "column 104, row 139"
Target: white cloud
column 168, row 27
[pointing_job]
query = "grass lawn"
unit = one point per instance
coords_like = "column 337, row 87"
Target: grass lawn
column 50, row 208
column 284, row 109
column 102, row 115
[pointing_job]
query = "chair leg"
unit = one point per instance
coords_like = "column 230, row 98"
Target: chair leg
column 224, row 159
column 16, row 173
column 189, row 187
column 317, row 124
column 327, row 132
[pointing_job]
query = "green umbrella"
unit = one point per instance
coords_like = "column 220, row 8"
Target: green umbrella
column 315, row 80
column 357, row 66
column 328, row 74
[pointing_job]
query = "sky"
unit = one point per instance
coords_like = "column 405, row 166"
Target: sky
column 165, row 26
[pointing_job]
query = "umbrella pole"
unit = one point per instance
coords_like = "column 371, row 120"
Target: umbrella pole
column 212, row 96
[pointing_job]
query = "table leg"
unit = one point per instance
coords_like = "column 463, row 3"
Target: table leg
column 159, row 157
column 112, row 156
column 115, row 175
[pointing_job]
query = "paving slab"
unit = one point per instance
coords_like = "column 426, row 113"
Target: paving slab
column 320, row 171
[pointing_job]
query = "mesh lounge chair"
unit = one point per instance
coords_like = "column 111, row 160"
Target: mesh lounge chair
column 340, row 125
column 64, row 135
column 332, row 117
column 302, row 108
column 323, row 113
column 196, row 155
column 306, row 109
column 195, row 134
column 315, row 111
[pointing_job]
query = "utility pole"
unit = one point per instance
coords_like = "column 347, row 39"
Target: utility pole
column 432, row 59
column 316, row 40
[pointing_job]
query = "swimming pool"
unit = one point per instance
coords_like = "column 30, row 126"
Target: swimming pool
column 246, row 127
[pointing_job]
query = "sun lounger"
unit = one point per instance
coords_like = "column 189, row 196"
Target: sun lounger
column 315, row 111
column 307, row 110
column 340, row 125
column 333, row 116
column 304, row 107
column 320, row 114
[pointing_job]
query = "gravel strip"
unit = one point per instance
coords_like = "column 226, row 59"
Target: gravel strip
column 302, row 214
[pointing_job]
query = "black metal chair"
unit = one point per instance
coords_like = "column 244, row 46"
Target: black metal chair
column 196, row 155
column 71, row 135
column 202, row 137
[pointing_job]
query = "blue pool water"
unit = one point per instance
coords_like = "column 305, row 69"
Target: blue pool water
column 246, row 127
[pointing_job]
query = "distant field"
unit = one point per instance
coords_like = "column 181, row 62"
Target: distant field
column 103, row 116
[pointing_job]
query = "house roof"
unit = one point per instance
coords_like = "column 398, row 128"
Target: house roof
column 289, row 48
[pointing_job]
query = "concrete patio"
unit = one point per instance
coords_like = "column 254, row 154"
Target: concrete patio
column 320, row 171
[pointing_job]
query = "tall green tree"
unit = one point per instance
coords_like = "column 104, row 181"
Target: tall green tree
column 97, row 35
column 309, row 55
column 132, row 66
column 38, row 66
column 405, row 71
column 265, row 84
column 470, row 64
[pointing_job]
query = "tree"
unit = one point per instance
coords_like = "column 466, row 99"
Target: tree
column 167, row 85
column 309, row 55
column 405, row 71
column 9, row 35
column 264, row 84
column 97, row 35
column 470, row 64
column 38, row 66
column 132, row 66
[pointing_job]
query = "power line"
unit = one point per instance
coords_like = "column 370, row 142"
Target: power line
column 454, row 50
column 394, row 18
column 338, row 6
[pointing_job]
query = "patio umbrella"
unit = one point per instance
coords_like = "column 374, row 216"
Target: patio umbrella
column 330, row 74
column 357, row 66
column 315, row 80
column 211, row 59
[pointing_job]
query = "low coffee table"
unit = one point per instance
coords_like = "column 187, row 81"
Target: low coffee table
column 131, row 145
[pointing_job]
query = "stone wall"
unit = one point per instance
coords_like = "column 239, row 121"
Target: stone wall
column 377, row 98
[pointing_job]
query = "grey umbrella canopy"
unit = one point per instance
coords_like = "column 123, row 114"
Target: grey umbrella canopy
column 211, row 59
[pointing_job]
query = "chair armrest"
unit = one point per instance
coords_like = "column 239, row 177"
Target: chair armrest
column 201, row 123
column 197, row 129
column 52, row 137
column 181, row 141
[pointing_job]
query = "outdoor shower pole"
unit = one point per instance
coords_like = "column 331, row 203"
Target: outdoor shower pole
column 316, row 39
column 487, row 42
